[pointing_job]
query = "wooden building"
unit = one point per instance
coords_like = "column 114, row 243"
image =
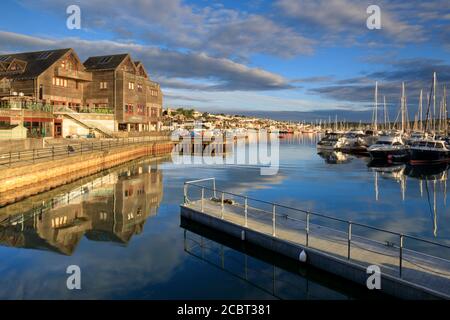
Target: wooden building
column 124, row 85
column 113, row 84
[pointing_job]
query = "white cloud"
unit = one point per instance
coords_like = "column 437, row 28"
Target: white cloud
column 168, row 65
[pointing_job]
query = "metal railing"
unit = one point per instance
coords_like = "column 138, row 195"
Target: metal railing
column 35, row 106
column 72, row 149
column 396, row 245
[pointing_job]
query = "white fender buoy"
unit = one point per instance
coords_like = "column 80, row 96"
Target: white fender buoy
column 243, row 235
column 302, row 257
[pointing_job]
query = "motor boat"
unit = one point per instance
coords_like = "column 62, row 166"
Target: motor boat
column 430, row 151
column 329, row 141
column 389, row 148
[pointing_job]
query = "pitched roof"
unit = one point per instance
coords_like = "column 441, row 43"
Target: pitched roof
column 37, row 62
column 140, row 64
column 110, row 62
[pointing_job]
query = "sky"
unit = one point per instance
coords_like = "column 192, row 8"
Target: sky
column 315, row 58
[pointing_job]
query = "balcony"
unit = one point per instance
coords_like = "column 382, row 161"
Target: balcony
column 73, row 74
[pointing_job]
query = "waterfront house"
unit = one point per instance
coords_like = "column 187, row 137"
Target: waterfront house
column 122, row 84
column 53, row 77
column 60, row 95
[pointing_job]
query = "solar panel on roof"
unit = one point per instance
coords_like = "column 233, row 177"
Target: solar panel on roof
column 105, row 60
column 45, row 55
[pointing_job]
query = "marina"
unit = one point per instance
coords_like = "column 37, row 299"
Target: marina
column 408, row 200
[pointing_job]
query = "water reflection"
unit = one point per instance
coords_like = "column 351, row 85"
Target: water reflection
column 432, row 180
column 335, row 157
column 278, row 276
column 111, row 208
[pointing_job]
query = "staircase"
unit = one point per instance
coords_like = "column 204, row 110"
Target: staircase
column 72, row 115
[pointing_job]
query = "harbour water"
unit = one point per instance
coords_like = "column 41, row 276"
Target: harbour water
column 122, row 228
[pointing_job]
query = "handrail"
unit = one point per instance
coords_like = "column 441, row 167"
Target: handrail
column 70, row 149
column 195, row 181
column 317, row 214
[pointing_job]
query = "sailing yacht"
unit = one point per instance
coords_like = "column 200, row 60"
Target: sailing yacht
column 391, row 147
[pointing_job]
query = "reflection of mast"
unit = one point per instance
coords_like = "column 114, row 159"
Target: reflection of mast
column 376, row 186
column 434, row 209
column 421, row 187
column 403, row 186
column 444, row 178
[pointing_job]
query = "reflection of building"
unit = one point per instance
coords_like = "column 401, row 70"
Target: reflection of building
column 135, row 199
column 114, row 209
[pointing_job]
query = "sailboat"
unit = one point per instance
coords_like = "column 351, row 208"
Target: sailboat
column 431, row 149
column 391, row 147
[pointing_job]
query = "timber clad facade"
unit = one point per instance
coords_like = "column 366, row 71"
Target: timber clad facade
column 113, row 84
column 119, row 81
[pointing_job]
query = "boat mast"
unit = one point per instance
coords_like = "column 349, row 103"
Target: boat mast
column 385, row 112
column 434, row 102
column 403, row 107
column 420, row 110
column 375, row 120
column 428, row 117
column 445, row 112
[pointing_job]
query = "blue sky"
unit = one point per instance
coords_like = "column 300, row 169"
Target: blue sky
column 314, row 56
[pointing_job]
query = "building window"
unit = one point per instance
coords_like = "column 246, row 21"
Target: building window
column 128, row 108
column 67, row 65
column 131, row 85
column 141, row 109
column 139, row 87
column 59, row 82
column 155, row 112
column 103, row 85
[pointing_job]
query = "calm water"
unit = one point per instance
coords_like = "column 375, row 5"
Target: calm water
column 122, row 228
